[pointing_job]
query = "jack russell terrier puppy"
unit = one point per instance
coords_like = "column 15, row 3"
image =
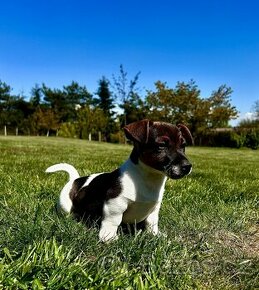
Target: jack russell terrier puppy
column 133, row 193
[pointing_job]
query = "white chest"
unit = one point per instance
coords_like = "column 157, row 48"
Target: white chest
column 138, row 211
column 142, row 190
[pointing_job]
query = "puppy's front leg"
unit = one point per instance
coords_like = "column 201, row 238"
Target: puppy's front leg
column 151, row 221
column 112, row 216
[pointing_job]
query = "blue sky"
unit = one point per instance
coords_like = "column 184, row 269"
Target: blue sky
column 55, row 42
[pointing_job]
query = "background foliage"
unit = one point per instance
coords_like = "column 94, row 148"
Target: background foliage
column 75, row 112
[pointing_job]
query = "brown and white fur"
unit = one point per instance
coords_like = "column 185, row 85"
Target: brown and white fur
column 133, row 193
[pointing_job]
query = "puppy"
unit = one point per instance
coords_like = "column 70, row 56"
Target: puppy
column 133, row 193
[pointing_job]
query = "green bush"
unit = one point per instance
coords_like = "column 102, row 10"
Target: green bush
column 117, row 137
column 252, row 139
column 237, row 140
column 221, row 139
column 230, row 138
column 67, row 130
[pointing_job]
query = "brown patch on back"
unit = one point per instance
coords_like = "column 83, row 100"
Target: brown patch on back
column 88, row 201
column 77, row 185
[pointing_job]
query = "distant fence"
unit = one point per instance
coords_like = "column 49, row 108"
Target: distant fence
column 94, row 136
column 5, row 130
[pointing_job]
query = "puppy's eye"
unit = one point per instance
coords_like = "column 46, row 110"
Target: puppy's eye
column 161, row 144
column 162, row 141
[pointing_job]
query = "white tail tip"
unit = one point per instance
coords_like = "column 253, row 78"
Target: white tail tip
column 73, row 174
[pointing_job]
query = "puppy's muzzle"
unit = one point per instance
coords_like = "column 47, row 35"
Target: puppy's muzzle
column 179, row 170
column 186, row 168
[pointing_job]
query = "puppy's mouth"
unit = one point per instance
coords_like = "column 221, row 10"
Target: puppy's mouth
column 177, row 171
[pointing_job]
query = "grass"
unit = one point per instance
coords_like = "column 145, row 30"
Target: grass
column 211, row 219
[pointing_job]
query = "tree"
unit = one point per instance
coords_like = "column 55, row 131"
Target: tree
column 125, row 91
column 179, row 105
column 90, row 120
column 75, row 95
column 55, row 99
column 253, row 121
column 105, row 102
column 190, row 107
column 6, row 103
column 256, row 109
column 13, row 109
column 36, row 96
column 183, row 104
column 221, row 110
column 134, row 108
column 5, row 91
column 64, row 102
column 43, row 120
column 159, row 102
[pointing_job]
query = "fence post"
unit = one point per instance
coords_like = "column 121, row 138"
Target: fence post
column 90, row 137
column 99, row 136
column 5, row 131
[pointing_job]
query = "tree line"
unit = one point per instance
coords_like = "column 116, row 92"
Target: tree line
column 73, row 111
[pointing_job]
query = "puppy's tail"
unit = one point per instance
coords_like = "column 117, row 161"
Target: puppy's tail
column 65, row 203
column 73, row 174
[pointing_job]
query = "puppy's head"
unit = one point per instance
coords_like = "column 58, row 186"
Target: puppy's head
column 161, row 146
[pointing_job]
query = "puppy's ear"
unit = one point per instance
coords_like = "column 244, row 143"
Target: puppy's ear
column 186, row 134
column 138, row 131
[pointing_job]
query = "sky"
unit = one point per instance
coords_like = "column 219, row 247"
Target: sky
column 55, row 42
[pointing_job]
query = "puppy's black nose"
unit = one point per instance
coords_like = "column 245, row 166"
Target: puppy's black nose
column 186, row 168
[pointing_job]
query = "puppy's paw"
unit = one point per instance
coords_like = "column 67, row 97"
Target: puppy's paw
column 108, row 235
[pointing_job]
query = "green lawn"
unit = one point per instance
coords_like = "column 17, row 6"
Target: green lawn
column 211, row 219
